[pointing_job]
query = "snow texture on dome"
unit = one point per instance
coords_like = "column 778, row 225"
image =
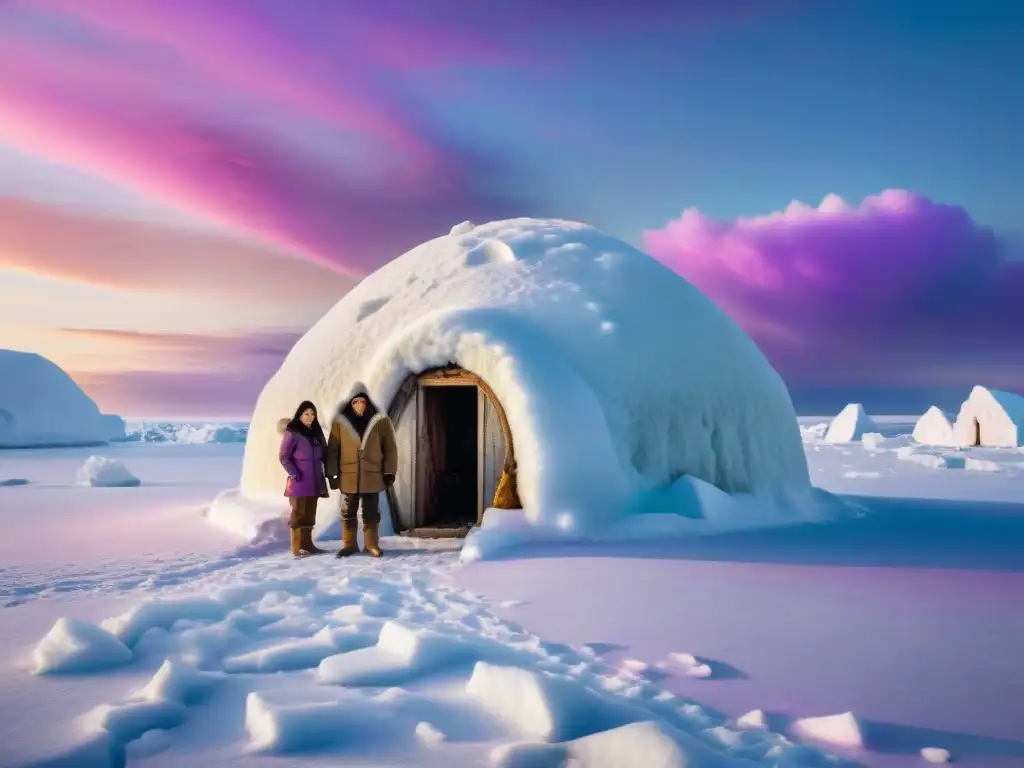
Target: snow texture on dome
column 999, row 414
column 615, row 373
column 851, row 424
column 933, row 428
column 40, row 405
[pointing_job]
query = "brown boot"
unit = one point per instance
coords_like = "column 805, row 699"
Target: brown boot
column 371, row 541
column 349, row 545
column 306, row 541
column 296, row 541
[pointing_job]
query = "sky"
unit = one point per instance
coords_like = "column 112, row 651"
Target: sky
column 186, row 186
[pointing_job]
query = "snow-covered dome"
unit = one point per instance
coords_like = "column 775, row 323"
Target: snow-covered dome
column 615, row 373
column 41, row 405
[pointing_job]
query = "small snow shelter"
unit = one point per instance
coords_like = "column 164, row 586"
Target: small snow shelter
column 539, row 365
column 990, row 418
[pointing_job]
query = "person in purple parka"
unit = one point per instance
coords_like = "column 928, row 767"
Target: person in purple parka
column 302, row 456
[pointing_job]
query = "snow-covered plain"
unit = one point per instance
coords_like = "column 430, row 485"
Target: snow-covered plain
column 204, row 650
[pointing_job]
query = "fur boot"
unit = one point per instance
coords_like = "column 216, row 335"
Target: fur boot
column 349, row 545
column 371, row 540
column 296, row 541
column 306, row 540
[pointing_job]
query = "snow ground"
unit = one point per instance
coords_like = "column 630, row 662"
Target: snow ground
column 906, row 617
column 60, row 537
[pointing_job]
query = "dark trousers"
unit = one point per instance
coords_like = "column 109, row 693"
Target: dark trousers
column 303, row 514
column 350, row 507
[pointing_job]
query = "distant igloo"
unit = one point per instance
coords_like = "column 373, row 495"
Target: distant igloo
column 40, row 405
column 992, row 418
column 576, row 367
column 933, row 428
column 851, row 424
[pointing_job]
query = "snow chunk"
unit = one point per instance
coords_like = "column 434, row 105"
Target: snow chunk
column 838, row 730
column 814, row 433
column 429, row 734
column 303, row 653
column 931, row 461
column 131, row 625
column 105, row 472
column 648, row 744
column 542, row 706
column 690, row 665
column 753, row 720
column 285, row 728
column 850, row 425
column 490, row 252
column 178, row 683
column 935, row 755
column 402, row 653
column 933, row 428
column 462, row 228
column 871, row 440
column 981, row 465
column 590, row 433
column 40, row 405
column 129, row 721
column 77, row 646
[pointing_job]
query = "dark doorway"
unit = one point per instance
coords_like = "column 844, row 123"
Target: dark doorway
column 977, row 432
column 448, row 461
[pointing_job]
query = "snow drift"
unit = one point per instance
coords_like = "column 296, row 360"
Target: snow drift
column 568, row 327
column 41, row 406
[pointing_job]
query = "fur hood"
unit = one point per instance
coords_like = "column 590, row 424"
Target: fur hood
column 282, row 425
column 357, row 388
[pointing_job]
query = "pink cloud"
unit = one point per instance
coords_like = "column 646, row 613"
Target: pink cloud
column 305, row 122
column 163, row 123
column 877, row 292
column 136, row 255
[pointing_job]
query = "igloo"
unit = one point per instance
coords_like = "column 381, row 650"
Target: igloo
column 578, row 368
column 991, row 418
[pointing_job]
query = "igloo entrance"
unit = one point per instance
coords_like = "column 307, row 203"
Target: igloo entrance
column 454, row 447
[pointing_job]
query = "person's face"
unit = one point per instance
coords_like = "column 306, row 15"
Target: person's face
column 359, row 406
column 307, row 417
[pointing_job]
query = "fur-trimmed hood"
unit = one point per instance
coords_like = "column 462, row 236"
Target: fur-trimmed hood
column 282, row 425
column 357, row 388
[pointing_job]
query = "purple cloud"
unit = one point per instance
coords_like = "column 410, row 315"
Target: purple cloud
column 898, row 291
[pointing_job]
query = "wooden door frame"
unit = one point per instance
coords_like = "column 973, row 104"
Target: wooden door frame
column 450, row 376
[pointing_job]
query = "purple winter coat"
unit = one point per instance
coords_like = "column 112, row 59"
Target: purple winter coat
column 303, row 460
